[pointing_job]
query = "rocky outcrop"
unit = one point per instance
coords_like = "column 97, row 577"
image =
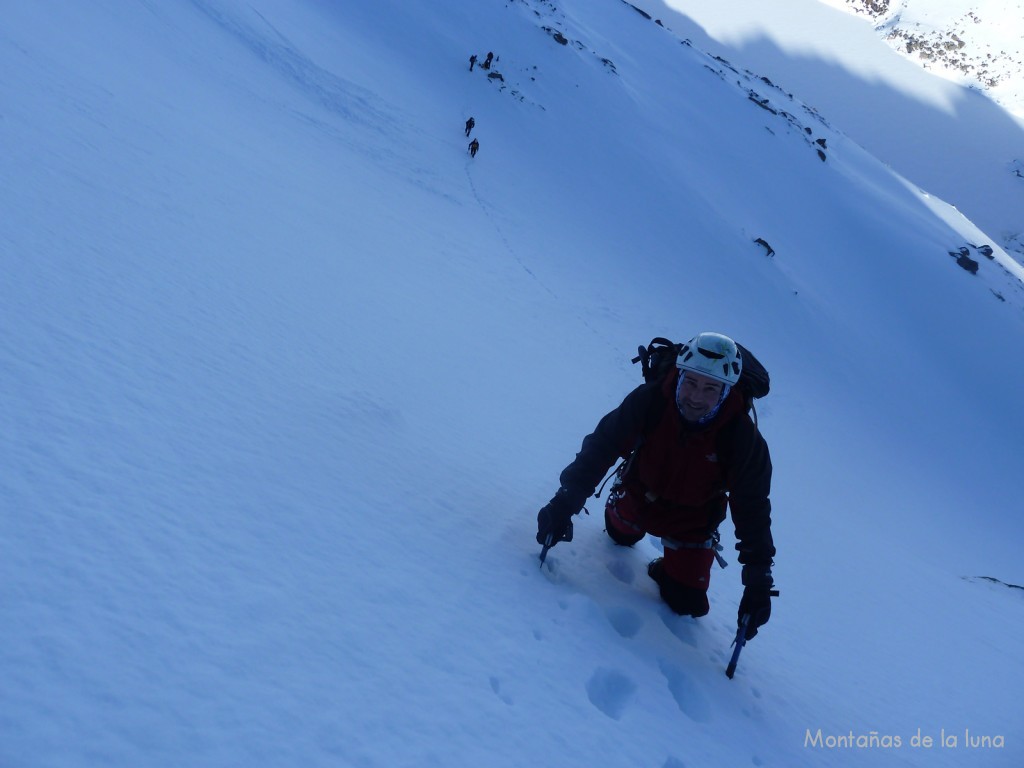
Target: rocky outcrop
column 957, row 43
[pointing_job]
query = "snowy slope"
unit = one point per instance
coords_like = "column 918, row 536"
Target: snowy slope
column 944, row 136
column 978, row 43
column 288, row 376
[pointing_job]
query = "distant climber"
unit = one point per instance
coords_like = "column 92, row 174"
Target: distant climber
column 488, row 60
column 469, row 125
column 472, row 61
column 474, row 145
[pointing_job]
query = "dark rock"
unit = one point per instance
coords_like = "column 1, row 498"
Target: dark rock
column 559, row 37
column 994, row 580
column 965, row 261
column 643, row 13
column 762, row 103
column 762, row 241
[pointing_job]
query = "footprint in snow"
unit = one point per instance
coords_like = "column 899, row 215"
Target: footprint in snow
column 621, row 570
column 689, row 698
column 610, row 692
column 683, row 627
column 496, row 687
column 673, row 762
column 625, row 621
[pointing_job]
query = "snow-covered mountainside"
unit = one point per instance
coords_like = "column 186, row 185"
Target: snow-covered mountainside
column 980, row 42
column 947, row 137
column 286, row 375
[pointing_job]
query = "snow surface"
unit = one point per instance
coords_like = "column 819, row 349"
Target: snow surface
column 287, row 377
column 979, row 43
column 952, row 141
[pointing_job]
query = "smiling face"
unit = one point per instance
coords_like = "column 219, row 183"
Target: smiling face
column 698, row 395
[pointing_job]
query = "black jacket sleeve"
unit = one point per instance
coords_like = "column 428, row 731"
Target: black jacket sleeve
column 615, row 437
column 750, row 480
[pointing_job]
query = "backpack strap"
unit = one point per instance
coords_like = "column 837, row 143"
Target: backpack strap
column 656, row 357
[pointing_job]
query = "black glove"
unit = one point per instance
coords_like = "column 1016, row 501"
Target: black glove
column 757, row 597
column 555, row 519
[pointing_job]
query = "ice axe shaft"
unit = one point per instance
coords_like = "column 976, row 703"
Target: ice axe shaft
column 739, row 642
column 544, row 552
column 741, row 638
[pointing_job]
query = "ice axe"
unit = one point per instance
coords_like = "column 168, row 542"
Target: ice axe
column 738, row 643
column 548, row 543
column 741, row 640
column 550, row 540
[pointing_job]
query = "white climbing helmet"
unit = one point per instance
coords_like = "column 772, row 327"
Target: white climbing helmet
column 712, row 355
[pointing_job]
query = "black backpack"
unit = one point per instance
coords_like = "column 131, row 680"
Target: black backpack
column 658, row 358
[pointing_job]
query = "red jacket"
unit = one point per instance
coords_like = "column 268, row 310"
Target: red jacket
column 681, row 475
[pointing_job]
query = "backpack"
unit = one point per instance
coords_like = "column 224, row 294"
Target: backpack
column 659, row 357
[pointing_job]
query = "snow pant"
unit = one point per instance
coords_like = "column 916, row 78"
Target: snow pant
column 684, row 573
